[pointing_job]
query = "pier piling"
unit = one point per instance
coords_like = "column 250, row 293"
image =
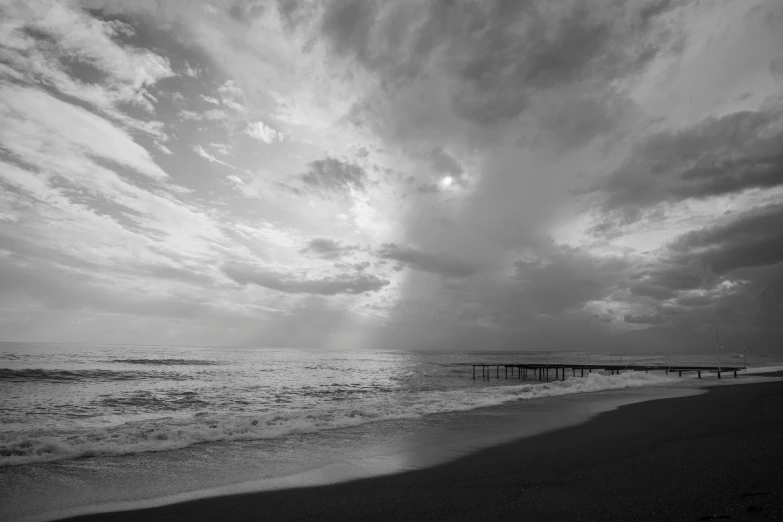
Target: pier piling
column 541, row 371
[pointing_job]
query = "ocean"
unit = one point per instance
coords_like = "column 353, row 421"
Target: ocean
column 89, row 425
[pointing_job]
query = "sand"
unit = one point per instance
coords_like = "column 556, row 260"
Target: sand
column 714, row 456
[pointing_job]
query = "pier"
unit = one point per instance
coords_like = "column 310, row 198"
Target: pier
column 542, row 371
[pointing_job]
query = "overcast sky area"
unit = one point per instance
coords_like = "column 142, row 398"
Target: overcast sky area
column 578, row 175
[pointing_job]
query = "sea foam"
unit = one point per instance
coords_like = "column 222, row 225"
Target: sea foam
column 174, row 433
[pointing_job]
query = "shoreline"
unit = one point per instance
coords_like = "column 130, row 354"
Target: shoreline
column 398, row 446
column 529, row 475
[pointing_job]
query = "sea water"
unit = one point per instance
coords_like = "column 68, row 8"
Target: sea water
column 92, row 425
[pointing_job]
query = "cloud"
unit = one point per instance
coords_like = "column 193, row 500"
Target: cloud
column 161, row 147
column 209, row 115
column 221, row 148
column 359, row 267
column 725, row 155
column 333, row 175
column 191, row 71
column 45, row 43
column 231, row 95
column 198, row 149
column 506, row 110
column 495, row 55
column 558, row 279
column 57, row 124
column 428, row 262
column 341, row 284
column 650, row 290
column 327, row 248
column 444, row 163
column 643, row 319
column 754, row 238
column 728, row 271
column 262, row 132
column 684, row 274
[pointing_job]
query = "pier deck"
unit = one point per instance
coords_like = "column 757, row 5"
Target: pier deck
column 541, row 371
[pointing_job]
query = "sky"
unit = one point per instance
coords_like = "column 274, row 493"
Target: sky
column 597, row 175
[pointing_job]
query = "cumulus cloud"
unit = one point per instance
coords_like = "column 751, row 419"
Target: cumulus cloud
column 333, row 175
column 327, row 248
column 231, row 95
column 260, row 131
column 330, row 285
column 193, row 72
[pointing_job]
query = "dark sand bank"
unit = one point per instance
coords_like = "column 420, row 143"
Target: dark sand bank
column 708, row 457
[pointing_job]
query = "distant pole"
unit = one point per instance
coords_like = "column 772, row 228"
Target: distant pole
column 745, row 356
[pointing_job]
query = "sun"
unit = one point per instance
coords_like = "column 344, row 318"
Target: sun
column 446, row 182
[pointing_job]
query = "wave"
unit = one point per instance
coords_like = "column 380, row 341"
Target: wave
column 166, row 362
column 171, row 433
column 43, row 375
column 148, row 401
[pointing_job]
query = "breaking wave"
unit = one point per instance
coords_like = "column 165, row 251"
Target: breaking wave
column 175, row 433
column 42, row 375
column 166, row 362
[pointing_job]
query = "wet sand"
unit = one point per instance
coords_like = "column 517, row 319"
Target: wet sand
column 713, row 456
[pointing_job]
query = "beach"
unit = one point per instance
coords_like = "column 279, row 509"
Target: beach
column 366, row 260
column 711, row 456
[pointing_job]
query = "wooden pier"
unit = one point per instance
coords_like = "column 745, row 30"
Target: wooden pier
column 541, row 371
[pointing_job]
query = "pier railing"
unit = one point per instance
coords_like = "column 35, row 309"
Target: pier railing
column 541, row 371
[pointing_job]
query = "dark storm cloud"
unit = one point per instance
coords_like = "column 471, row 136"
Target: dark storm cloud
column 326, row 248
column 754, row 238
column 644, row 319
column 564, row 278
column 342, row 284
column 502, row 65
column 649, row 290
column 731, row 272
column 770, row 296
column 718, row 156
column 748, row 309
column 542, row 302
column 333, row 175
column 682, row 273
column 577, row 120
column 694, row 300
column 498, row 52
column 427, row 261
